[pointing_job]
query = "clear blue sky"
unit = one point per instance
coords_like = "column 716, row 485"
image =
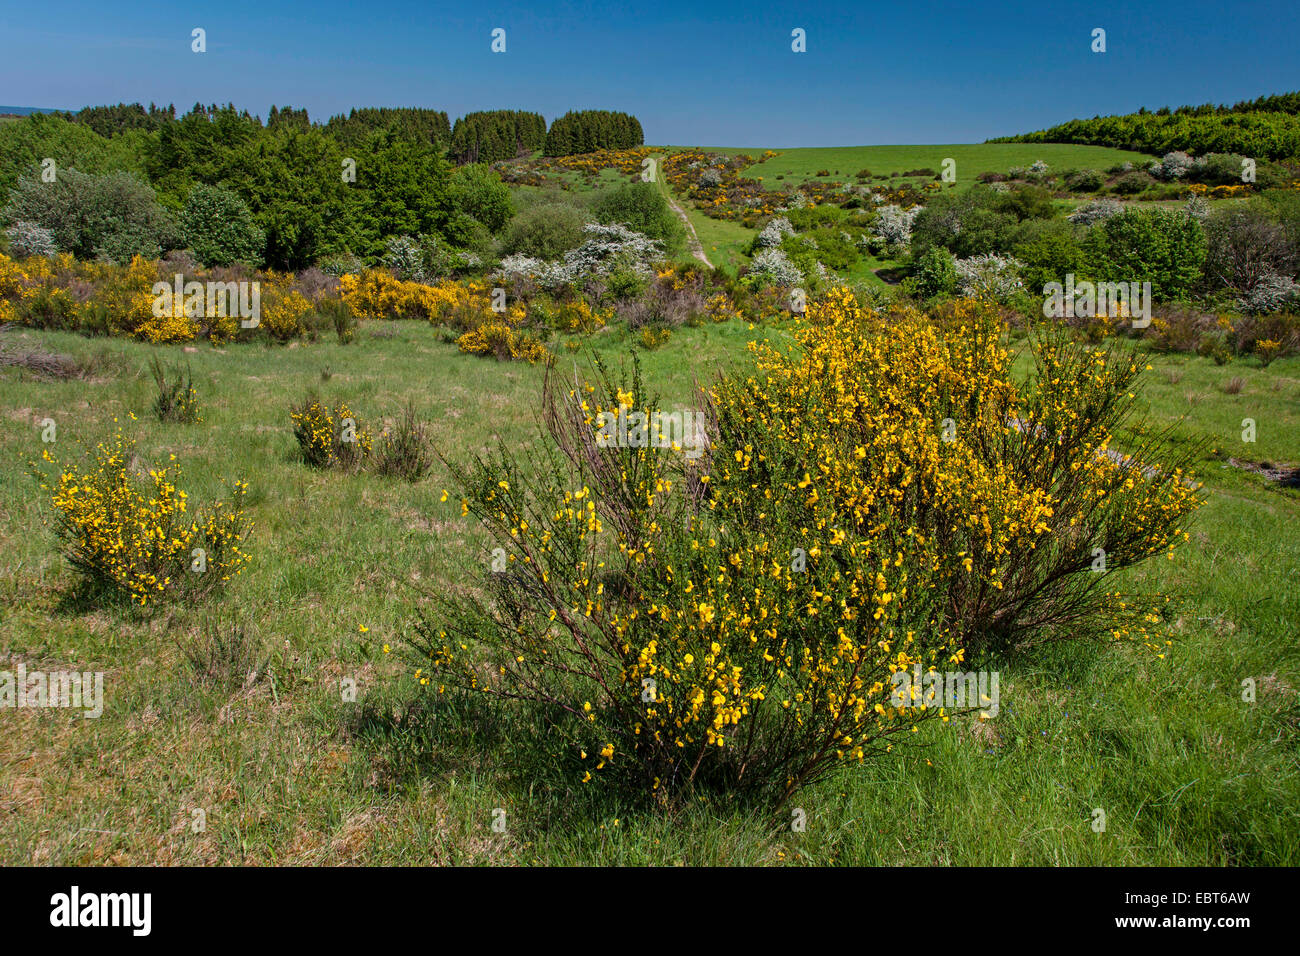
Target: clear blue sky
column 695, row 73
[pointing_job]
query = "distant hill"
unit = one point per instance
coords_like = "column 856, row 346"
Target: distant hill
column 24, row 110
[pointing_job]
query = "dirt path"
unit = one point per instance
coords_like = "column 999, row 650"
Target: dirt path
column 697, row 247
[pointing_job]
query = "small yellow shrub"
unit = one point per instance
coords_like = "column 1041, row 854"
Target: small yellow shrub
column 328, row 439
column 134, row 534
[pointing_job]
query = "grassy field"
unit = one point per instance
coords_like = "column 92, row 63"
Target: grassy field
column 725, row 242
column 286, row 772
column 844, row 162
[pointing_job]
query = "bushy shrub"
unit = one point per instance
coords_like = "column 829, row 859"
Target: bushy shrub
column 605, row 250
column 774, row 266
column 404, row 448
column 115, row 213
column 1245, row 245
column 47, row 307
column 1130, row 184
column 405, row 259
column 893, row 225
column 1096, row 211
column 1217, row 169
column 140, row 536
column 330, row 439
column 478, row 192
column 935, row 274
column 1267, row 350
column 177, row 399
column 1049, row 257
column 127, row 242
column 814, row 252
column 642, row 208
column 1158, row 246
column 1271, row 293
column 1172, row 166
column 966, row 224
column 775, row 231
column 340, row 265
column 1084, row 180
column 217, row 224
column 499, row 339
column 735, row 621
column 26, row 239
column 992, row 277
column 284, row 309
column 545, row 231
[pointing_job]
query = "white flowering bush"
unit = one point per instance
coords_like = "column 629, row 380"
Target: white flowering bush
column 775, row 266
column 26, row 239
column 1096, row 211
column 989, row 277
column 1171, row 166
column 606, row 249
column 1197, row 207
column 894, row 224
column 773, row 233
column 405, row 259
column 520, row 266
column 1273, row 293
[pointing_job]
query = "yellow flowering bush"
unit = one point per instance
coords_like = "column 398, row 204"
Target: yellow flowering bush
column 1267, row 350
column 882, row 496
column 720, row 308
column 127, row 296
column 498, row 339
column 578, row 316
column 134, row 534
column 652, row 336
column 283, row 308
column 12, row 277
column 378, row 294
column 330, row 439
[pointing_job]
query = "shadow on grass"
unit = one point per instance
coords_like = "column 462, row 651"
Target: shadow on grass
column 417, row 737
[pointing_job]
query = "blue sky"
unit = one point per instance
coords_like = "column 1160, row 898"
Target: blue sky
column 695, row 73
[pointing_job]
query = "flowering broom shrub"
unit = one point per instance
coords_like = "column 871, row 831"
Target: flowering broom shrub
column 880, row 497
column 133, row 534
column 498, row 339
column 330, row 439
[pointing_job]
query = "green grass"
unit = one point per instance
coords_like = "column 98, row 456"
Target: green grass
column 287, row 773
column 844, row 162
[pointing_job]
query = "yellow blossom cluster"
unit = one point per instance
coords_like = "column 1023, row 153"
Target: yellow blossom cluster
column 134, row 533
column 330, row 439
column 879, row 498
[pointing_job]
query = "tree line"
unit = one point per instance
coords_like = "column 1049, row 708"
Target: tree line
column 299, row 191
column 1264, row 128
column 589, row 130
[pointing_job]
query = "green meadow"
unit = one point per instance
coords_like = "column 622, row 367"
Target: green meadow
column 185, row 767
